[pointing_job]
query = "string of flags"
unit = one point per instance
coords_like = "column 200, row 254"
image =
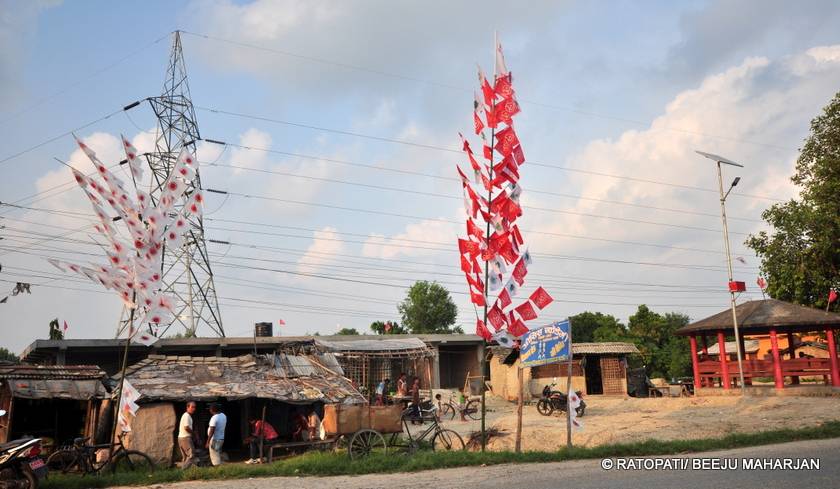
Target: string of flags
column 503, row 247
column 19, row 288
column 133, row 268
column 128, row 405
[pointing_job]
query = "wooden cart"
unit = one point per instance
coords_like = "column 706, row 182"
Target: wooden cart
column 374, row 429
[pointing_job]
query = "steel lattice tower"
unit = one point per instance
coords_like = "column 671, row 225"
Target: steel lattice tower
column 186, row 272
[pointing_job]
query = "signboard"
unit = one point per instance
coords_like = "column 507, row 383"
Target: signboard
column 548, row 344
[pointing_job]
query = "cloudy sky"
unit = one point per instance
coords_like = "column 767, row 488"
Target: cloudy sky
column 360, row 104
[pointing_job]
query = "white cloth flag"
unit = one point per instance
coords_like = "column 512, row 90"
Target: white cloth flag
column 133, row 158
column 574, row 403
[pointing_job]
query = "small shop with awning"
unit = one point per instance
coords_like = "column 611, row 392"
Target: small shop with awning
column 719, row 367
column 56, row 403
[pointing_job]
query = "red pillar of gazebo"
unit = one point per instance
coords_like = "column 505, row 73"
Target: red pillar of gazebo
column 724, row 369
column 832, row 354
column 692, row 340
column 708, row 382
column 777, row 362
column 794, row 379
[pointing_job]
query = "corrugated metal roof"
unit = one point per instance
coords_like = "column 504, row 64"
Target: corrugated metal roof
column 182, row 378
column 603, row 348
column 401, row 345
column 51, row 372
column 81, row 390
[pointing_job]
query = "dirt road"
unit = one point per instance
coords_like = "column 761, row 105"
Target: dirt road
column 616, row 420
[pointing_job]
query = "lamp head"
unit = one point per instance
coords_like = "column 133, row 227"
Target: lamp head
column 735, row 182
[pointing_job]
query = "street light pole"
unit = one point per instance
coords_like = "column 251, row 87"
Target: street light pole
column 719, row 160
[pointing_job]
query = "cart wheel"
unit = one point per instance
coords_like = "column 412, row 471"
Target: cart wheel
column 544, row 407
column 366, row 442
column 473, row 410
column 446, row 441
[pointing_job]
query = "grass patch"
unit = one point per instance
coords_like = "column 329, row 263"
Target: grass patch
column 326, row 464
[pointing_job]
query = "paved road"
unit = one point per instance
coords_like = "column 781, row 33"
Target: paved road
column 584, row 474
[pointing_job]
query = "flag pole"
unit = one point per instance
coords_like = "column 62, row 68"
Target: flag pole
column 519, row 403
column 122, row 373
column 487, row 262
column 569, row 390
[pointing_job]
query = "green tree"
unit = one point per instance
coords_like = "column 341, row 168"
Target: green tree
column 800, row 257
column 595, row 326
column 55, row 331
column 665, row 354
column 387, row 327
column 347, row 331
column 428, row 308
column 7, row 356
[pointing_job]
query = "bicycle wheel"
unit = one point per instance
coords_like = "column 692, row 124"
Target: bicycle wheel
column 132, row 461
column 446, row 441
column 366, row 442
column 473, row 410
column 447, row 412
column 64, row 461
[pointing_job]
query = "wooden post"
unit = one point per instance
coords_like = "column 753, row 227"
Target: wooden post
column 794, row 379
column 832, row 355
column 569, row 389
column 692, row 340
column 724, row 368
column 777, row 362
column 519, row 403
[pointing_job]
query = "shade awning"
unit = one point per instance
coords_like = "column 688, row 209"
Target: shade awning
column 81, row 390
column 757, row 317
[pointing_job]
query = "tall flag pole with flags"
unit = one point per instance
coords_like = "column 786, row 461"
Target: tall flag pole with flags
column 133, row 259
column 492, row 233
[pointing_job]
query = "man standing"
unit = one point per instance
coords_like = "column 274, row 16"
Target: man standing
column 186, row 435
column 216, row 434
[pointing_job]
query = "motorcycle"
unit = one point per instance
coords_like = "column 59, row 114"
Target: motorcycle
column 21, row 467
column 552, row 400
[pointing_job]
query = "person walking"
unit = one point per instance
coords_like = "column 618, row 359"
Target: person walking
column 186, row 436
column 216, row 434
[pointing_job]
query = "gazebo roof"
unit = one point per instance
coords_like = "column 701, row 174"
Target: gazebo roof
column 761, row 316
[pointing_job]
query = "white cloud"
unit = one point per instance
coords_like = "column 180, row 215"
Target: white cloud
column 418, row 239
column 324, row 243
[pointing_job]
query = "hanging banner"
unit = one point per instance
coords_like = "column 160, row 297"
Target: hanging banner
column 548, row 344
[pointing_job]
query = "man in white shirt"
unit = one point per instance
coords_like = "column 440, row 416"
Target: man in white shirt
column 216, row 434
column 185, row 436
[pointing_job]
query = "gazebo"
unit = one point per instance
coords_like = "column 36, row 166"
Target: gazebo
column 767, row 316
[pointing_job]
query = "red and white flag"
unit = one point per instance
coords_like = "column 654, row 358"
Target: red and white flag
column 762, row 284
column 526, row 311
column 501, row 67
column 280, row 322
column 541, row 298
column 832, row 296
column 574, row 403
column 66, row 327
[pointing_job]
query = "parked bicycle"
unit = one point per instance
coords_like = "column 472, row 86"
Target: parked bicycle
column 81, row 457
column 469, row 408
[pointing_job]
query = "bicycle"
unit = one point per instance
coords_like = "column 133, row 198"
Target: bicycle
column 81, row 457
column 470, row 409
column 441, row 438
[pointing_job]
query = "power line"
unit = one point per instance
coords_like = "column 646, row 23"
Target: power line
column 469, row 90
column 458, row 151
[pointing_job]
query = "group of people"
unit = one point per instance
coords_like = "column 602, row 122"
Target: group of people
column 305, row 426
column 404, row 390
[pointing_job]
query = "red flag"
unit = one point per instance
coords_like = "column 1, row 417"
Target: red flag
column 464, row 179
column 496, row 317
column 466, row 266
column 474, row 231
column 477, row 298
column 508, row 253
column 476, row 265
column 475, row 281
column 66, row 327
column 479, row 125
column 832, row 296
column 518, row 155
column 506, row 109
column 517, row 235
column 504, row 299
column 488, row 152
column 519, row 272
column 541, row 298
column 487, row 90
column 504, row 87
column 526, row 310
column 517, row 328
column 762, row 284
column 470, row 247
column 481, row 330
column 506, row 140
column 387, row 327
